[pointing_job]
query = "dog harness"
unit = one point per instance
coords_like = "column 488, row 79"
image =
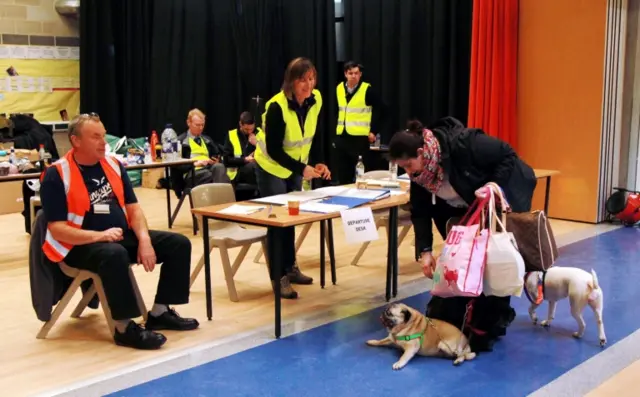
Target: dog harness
column 407, row 338
column 540, row 287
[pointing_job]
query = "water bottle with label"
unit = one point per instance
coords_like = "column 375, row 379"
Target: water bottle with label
column 147, row 151
column 377, row 144
column 393, row 170
column 168, row 137
column 12, row 156
column 360, row 173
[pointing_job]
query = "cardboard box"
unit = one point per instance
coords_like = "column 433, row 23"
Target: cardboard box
column 11, row 198
column 150, row 177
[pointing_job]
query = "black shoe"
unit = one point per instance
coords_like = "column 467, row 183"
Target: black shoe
column 297, row 277
column 172, row 321
column 139, row 338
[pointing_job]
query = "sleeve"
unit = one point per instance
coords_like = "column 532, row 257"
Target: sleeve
column 228, row 157
column 129, row 194
column 53, row 197
column 494, row 156
column 274, row 134
column 379, row 111
column 421, row 208
column 316, row 153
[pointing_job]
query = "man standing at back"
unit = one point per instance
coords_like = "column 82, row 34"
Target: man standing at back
column 95, row 223
column 202, row 149
column 360, row 117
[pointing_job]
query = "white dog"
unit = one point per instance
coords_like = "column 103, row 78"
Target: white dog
column 560, row 282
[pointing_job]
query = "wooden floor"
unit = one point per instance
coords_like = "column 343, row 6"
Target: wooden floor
column 78, row 349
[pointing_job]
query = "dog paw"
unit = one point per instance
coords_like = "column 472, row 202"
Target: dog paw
column 458, row 361
column 398, row 365
column 545, row 323
column 577, row 335
column 603, row 342
column 372, row 342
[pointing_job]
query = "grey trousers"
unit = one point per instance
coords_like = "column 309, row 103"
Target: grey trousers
column 216, row 173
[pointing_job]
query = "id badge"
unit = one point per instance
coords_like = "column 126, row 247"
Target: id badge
column 101, row 209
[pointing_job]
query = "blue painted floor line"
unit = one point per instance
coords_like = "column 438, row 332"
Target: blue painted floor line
column 334, row 360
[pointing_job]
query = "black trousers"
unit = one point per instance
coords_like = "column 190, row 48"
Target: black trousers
column 246, row 174
column 111, row 262
column 491, row 315
column 281, row 241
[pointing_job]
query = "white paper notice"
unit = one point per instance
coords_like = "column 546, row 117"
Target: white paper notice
column 359, row 225
column 5, row 52
column 34, row 53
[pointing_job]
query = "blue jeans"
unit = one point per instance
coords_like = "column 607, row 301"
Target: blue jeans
column 281, row 248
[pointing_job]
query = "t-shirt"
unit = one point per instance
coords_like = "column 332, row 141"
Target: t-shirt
column 54, row 199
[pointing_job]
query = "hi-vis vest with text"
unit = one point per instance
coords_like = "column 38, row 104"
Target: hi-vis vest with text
column 295, row 144
column 78, row 203
column 355, row 115
column 237, row 149
column 198, row 152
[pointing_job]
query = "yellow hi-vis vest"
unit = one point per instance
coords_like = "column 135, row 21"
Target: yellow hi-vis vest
column 198, row 152
column 296, row 144
column 237, row 149
column 355, row 115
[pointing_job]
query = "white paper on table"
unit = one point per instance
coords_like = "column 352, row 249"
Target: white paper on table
column 313, row 206
column 237, row 209
column 358, row 225
column 364, row 194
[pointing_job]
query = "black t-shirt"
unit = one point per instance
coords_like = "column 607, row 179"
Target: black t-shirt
column 54, row 200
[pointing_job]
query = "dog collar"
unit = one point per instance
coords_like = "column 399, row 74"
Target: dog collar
column 407, row 338
column 540, row 287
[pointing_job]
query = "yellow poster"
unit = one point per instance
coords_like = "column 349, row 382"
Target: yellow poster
column 43, row 87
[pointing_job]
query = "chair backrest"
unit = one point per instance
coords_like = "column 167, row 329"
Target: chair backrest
column 379, row 174
column 212, row 194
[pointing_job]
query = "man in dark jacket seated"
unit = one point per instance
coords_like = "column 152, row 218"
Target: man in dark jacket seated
column 202, row 149
column 447, row 164
column 95, row 223
column 238, row 151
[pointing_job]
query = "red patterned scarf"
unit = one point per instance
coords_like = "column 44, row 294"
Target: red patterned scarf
column 432, row 174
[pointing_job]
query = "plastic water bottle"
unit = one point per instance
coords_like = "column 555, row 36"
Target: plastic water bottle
column 168, row 137
column 377, row 144
column 393, row 170
column 41, row 153
column 147, row 151
column 12, row 156
column 359, row 172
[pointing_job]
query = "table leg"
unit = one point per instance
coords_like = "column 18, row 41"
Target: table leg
column 546, row 196
column 393, row 234
column 168, row 190
column 277, row 272
column 322, row 244
column 193, row 184
column 207, row 265
column 332, row 255
column 387, row 294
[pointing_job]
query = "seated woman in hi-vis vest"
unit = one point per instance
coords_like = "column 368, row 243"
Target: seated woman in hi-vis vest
column 282, row 154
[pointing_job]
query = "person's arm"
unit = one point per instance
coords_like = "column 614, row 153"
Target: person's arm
column 228, row 157
column 421, row 208
column 494, row 156
column 274, row 135
column 379, row 111
column 54, row 205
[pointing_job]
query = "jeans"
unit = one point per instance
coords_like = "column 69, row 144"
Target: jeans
column 111, row 262
column 281, row 248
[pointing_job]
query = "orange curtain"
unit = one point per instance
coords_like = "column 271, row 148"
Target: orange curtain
column 494, row 53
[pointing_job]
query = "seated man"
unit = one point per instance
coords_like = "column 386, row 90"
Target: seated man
column 203, row 150
column 95, row 223
column 238, row 151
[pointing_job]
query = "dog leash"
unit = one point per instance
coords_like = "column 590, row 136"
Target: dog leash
column 541, row 281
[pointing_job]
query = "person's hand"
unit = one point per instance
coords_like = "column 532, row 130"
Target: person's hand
column 146, row 255
column 372, row 137
column 111, row 235
column 323, row 170
column 213, row 160
column 249, row 159
column 253, row 140
column 309, row 173
column 428, row 263
column 483, row 192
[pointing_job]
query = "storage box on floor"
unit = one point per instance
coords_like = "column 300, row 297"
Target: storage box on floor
column 11, row 192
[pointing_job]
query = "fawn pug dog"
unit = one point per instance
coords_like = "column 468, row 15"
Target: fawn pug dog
column 414, row 333
column 558, row 283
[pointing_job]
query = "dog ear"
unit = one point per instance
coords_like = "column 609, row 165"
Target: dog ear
column 407, row 315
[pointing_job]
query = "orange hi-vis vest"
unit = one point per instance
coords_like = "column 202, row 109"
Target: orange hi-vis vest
column 78, row 203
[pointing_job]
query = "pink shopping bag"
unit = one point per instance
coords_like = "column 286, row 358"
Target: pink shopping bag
column 460, row 266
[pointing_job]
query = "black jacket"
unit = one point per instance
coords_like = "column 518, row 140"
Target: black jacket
column 229, row 159
column 471, row 158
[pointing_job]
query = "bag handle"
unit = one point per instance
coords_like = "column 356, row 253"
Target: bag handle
column 504, row 206
column 475, row 210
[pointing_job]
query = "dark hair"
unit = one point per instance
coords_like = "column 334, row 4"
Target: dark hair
column 405, row 143
column 351, row 64
column 296, row 70
column 246, row 118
